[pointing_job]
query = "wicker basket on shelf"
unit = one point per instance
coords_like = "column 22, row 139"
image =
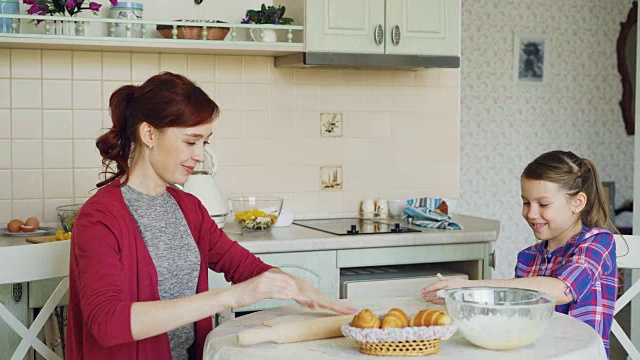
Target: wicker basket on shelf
column 194, row 32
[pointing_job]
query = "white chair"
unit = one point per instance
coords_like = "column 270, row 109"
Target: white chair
column 24, row 263
column 628, row 252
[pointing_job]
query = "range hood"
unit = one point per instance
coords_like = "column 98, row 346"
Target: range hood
column 365, row 61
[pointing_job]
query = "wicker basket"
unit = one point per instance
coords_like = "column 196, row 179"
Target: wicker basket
column 408, row 341
column 400, row 348
column 194, row 32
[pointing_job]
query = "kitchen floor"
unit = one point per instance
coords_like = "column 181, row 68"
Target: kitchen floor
column 623, row 318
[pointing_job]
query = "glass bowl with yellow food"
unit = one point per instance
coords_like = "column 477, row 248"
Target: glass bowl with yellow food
column 67, row 216
column 255, row 213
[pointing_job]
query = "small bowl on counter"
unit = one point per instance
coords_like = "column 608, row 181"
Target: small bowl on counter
column 255, row 213
column 67, row 216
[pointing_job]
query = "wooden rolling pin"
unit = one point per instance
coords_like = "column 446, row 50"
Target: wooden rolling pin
column 314, row 329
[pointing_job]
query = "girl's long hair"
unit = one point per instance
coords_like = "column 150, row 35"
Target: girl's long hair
column 574, row 175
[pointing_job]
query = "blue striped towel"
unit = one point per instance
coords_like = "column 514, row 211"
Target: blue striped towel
column 422, row 212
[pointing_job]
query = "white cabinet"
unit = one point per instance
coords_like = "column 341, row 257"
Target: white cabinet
column 410, row 27
column 344, row 26
column 424, row 27
column 317, row 267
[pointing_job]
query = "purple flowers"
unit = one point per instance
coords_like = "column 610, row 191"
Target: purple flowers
column 94, row 6
column 267, row 15
column 63, row 7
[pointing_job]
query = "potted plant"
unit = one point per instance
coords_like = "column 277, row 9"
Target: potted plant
column 63, row 7
column 266, row 15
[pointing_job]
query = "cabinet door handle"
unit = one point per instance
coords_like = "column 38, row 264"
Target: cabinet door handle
column 492, row 260
column 16, row 291
column 395, row 35
column 378, row 35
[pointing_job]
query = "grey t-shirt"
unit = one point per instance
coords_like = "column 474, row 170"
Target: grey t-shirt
column 174, row 253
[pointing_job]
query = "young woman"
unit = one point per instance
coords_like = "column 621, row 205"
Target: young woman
column 575, row 261
column 141, row 250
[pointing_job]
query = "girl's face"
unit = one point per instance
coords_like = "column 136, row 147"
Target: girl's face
column 176, row 151
column 550, row 213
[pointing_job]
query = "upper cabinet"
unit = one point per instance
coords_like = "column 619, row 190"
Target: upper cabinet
column 407, row 27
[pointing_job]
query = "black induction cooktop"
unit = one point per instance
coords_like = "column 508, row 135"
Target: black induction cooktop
column 354, row 226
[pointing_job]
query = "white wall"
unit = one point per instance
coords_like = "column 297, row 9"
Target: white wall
column 504, row 125
column 53, row 105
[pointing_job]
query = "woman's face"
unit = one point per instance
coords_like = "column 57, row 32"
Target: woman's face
column 176, row 151
column 548, row 210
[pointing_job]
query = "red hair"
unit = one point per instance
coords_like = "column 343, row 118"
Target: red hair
column 164, row 100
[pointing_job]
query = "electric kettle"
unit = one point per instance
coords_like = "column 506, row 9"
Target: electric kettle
column 201, row 184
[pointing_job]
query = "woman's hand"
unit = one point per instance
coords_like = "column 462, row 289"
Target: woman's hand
column 276, row 284
column 429, row 293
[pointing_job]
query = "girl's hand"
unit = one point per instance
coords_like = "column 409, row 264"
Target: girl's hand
column 276, row 284
column 429, row 293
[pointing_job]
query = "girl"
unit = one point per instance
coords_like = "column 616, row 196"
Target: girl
column 575, row 263
column 141, row 250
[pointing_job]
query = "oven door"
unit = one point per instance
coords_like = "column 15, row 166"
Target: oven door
column 378, row 282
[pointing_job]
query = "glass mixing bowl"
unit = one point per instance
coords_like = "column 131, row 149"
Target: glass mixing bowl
column 67, row 216
column 255, row 213
column 499, row 318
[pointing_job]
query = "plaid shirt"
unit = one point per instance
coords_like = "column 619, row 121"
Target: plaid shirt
column 587, row 265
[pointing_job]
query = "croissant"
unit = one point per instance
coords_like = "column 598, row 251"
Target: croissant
column 430, row 317
column 395, row 318
column 366, row 319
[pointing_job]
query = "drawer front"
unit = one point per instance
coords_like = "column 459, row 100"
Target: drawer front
column 410, row 255
column 381, row 288
column 317, row 267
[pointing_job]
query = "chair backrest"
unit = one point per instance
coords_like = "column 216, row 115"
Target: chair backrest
column 23, row 263
column 628, row 251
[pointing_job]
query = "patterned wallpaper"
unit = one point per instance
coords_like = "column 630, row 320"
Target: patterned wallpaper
column 505, row 125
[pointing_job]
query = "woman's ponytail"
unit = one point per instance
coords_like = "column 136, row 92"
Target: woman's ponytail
column 115, row 145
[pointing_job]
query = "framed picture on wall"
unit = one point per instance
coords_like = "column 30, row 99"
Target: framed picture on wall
column 531, row 58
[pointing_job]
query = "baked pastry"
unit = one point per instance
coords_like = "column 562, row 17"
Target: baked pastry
column 430, row 317
column 395, row 318
column 443, row 208
column 365, row 319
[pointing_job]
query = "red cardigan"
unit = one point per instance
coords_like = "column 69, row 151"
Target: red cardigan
column 111, row 269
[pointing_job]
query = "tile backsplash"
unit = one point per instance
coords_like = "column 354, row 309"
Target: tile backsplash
column 400, row 129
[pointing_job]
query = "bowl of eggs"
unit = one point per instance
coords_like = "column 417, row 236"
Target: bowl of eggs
column 398, row 334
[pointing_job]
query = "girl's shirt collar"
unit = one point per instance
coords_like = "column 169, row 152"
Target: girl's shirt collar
column 564, row 248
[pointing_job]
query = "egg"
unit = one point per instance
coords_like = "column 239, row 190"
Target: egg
column 14, row 225
column 33, row 222
column 25, row 228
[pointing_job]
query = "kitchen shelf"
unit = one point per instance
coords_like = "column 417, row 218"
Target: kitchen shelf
column 230, row 46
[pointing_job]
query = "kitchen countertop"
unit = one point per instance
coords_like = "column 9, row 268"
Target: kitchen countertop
column 299, row 238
